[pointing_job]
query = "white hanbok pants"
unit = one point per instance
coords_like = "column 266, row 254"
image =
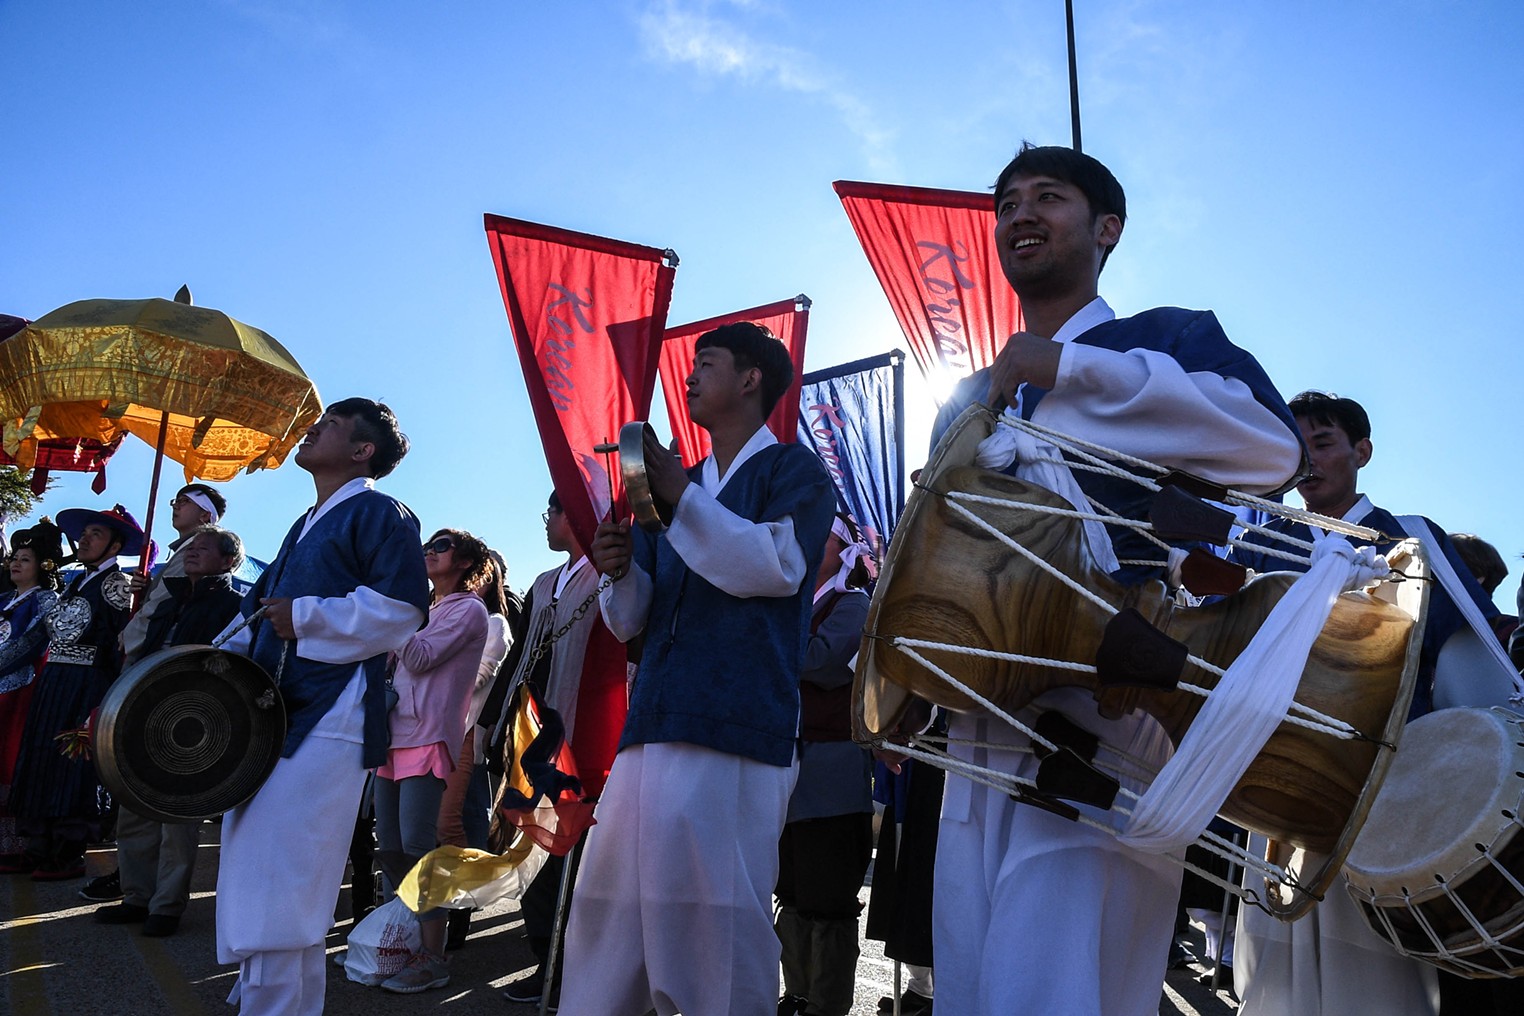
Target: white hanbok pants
column 1034, row 914
column 673, row 904
column 282, row 864
column 1328, row 963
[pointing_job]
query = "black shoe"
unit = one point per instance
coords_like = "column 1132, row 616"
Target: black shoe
column 103, row 889
column 792, row 1005
column 160, row 925
column 1224, row 978
column 1179, row 956
column 911, row 1004
column 122, row 913
column 527, row 990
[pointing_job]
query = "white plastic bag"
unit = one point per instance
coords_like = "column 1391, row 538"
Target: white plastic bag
column 381, row 945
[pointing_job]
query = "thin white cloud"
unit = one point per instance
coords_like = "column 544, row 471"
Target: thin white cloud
column 677, row 34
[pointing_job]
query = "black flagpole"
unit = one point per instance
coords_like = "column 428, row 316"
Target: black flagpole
column 1073, row 76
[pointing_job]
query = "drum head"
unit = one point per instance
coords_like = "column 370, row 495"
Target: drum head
column 188, row 733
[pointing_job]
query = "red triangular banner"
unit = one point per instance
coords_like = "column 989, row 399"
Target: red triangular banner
column 587, row 315
column 789, row 320
column 934, row 253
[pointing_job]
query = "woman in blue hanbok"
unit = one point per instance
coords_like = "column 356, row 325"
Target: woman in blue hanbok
column 33, row 565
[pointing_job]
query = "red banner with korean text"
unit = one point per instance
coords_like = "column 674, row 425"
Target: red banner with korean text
column 934, row 253
column 587, row 315
column 787, row 319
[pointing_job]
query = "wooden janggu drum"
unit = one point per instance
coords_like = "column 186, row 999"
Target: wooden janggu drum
column 1438, row 870
column 188, row 733
column 947, row 581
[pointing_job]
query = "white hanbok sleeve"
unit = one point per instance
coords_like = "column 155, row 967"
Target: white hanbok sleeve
column 240, row 641
column 1144, row 403
column 625, row 604
column 352, row 628
column 736, row 555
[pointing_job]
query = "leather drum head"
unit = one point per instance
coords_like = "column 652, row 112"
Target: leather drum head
column 188, row 733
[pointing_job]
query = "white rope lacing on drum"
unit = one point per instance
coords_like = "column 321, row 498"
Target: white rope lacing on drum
column 919, row 748
column 1078, row 447
column 1307, row 717
column 1130, row 767
column 1382, row 905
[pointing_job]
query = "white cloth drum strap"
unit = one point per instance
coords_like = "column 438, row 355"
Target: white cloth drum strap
column 1248, row 703
column 1503, row 687
column 1041, row 463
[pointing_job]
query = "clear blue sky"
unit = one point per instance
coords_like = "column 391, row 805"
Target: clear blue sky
column 1337, row 181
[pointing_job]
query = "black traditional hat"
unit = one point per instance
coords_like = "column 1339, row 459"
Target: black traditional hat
column 46, row 541
column 74, row 520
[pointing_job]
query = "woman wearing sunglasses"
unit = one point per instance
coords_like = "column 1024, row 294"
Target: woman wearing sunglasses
column 433, row 676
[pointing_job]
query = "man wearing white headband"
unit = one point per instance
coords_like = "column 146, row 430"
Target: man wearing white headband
column 195, row 505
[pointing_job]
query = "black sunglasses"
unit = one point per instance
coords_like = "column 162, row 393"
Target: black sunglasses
column 439, row 545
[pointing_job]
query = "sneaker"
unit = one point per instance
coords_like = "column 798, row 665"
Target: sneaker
column 423, row 971
column 103, row 889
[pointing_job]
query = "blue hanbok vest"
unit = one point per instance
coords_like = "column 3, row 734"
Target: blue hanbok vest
column 723, row 671
column 371, row 540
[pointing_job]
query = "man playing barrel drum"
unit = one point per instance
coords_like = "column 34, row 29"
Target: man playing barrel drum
column 1035, row 913
column 347, row 587
column 673, row 908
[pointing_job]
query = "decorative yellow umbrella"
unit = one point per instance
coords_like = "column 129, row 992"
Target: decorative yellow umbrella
column 220, row 395
column 212, row 393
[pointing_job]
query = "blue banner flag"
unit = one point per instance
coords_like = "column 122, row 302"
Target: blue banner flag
column 851, row 416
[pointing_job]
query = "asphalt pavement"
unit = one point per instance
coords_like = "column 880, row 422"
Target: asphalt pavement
column 56, row 960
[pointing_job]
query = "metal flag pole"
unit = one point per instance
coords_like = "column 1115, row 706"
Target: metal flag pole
column 1074, row 115
column 563, row 896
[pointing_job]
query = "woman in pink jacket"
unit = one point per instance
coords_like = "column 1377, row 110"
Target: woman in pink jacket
column 433, row 676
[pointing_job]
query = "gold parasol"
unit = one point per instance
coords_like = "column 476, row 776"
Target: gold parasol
column 220, row 395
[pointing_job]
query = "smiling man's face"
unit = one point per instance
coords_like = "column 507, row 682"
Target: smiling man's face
column 1046, row 236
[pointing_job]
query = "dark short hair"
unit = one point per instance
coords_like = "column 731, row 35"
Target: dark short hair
column 1090, row 175
column 1329, row 410
column 554, row 504
column 752, row 345
column 212, row 494
column 375, row 422
column 228, row 543
column 1482, row 560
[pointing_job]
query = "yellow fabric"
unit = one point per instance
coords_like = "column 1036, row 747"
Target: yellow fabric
column 459, row 877
column 236, row 398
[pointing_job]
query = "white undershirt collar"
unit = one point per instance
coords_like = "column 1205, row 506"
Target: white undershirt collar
column 1096, row 312
column 564, row 576
column 344, row 493
column 1357, row 511
column 709, row 474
